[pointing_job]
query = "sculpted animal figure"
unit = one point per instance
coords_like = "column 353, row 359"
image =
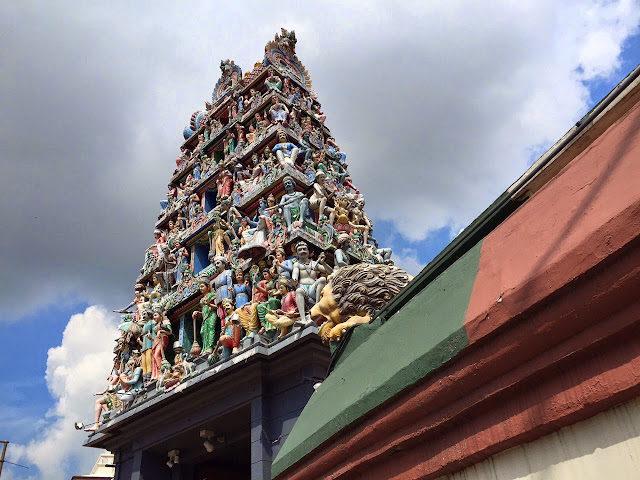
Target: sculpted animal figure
column 354, row 294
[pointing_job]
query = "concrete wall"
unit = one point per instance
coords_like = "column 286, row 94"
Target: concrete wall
column 606, row 446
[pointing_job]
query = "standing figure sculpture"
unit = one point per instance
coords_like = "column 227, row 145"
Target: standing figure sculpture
column 162, row 330
column 218, row 236
column 306, row 275
column 183, row 261
column 223, row 284
column 241, row 289
column 210, row 328
column 231, row 333
column 147, row 339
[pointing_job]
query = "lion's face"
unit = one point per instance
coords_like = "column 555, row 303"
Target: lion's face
column 327, row 308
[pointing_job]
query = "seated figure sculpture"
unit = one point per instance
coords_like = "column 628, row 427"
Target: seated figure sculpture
column 279, row 112
column 320, row 196
column 273, row 82
column 107, row 401
column 293, row 203
column 286, row 152
column 284, row 317
column 131, row 382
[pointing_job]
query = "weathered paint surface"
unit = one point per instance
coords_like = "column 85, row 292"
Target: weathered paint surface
column 418, row 339
column 575, row 221
column 604, row 446
column 553, row 325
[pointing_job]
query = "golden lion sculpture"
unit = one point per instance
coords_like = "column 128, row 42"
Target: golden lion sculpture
column 354, row 294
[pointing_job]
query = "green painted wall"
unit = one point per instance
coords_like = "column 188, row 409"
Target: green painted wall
column 381, row 360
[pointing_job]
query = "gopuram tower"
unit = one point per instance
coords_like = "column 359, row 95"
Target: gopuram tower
column 234, row 306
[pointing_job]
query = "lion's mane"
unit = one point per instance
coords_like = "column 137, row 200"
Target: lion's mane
column 366, row 288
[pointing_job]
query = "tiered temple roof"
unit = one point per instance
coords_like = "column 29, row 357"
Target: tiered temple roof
column 260, row 212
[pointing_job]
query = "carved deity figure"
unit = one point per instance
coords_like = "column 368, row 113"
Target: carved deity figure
column 210, row 325
column 273, row 82
column 286, row 152
column 360, row 219
column 279, row 112
column 162, row 329
column 306, row 273
column 340, row 256
column 320, row 196
column 218, row 236
column 285, row 316
column 293, row 203
column 282, row 267
column 131, row 382
column 241, row 289
column 223, row 283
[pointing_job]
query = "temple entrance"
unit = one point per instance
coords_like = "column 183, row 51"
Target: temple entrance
column 232, row 470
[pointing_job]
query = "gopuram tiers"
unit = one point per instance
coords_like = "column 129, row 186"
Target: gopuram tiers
column 260, row 212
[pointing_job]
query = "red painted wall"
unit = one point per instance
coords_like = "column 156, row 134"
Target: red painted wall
column 553, row 324
column 581, row 216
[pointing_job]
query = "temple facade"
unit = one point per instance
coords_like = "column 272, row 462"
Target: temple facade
column 513, row 354
column 229, row 328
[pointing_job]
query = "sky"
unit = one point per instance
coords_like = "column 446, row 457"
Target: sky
column 439, row 105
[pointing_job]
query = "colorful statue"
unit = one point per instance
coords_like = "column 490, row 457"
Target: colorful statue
column 210, row 329
column 162, row 330
column 306, row 273
column 269, row 297
column 354, row 295
column 320, row 196
column 360, row 219
column 286, row 152
column 256, row 99
column 218, row 236
column 183, row 261
column 224, row 183
column 147, row 338
column 223, row 284
column 231, row 333
column 131, row 383
column 284, row 317
column 257, row 235
column 139, row 301
column 279, row 112
column 273, row 82
column 241, row 289
column 294, row 204
column 282, row 267
column 106, row 402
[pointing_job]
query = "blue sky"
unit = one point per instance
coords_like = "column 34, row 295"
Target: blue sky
column 123, row 92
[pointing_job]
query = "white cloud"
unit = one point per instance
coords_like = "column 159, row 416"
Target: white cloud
column 438, row 104
column 76, row 369
column 453, row 104
column 408, row 260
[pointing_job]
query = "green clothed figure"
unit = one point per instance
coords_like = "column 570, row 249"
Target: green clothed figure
column 210, row 330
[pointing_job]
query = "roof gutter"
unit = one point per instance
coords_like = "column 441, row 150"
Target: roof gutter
column 499, row 210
